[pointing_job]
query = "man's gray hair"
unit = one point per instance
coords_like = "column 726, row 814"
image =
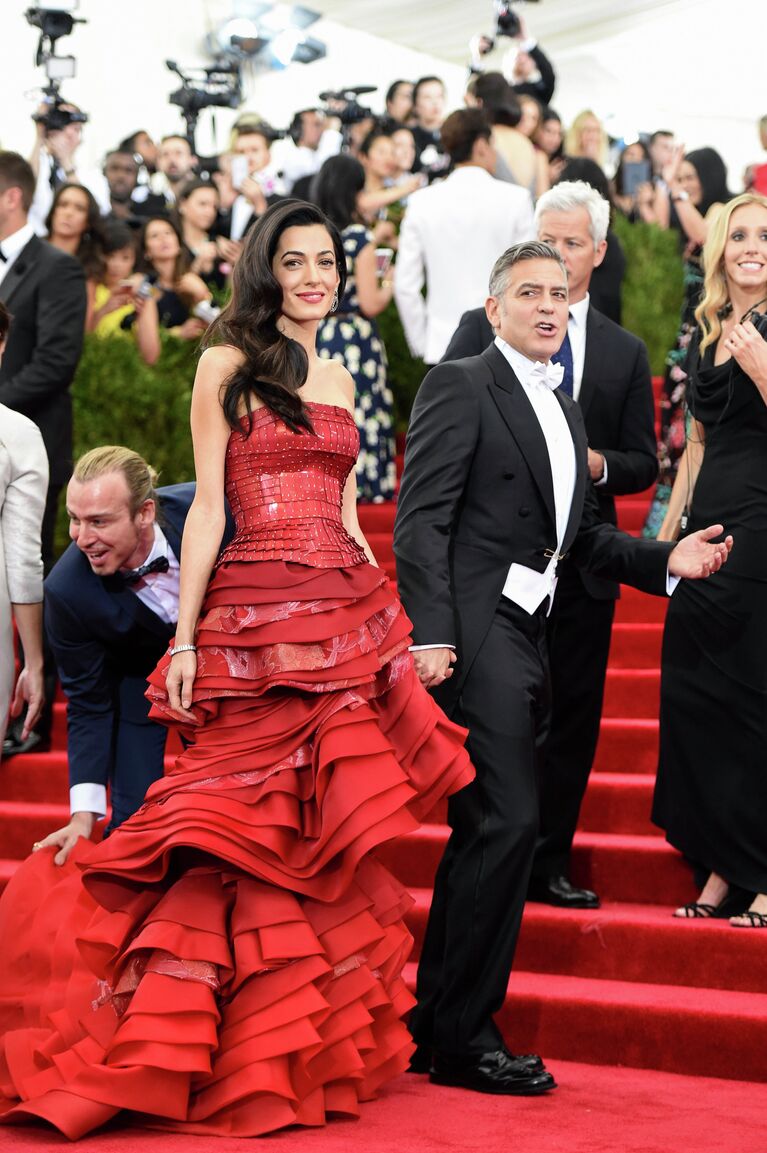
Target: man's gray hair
column 572, row 194
column 529, row 250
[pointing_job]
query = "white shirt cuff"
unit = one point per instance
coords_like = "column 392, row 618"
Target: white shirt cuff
column 528, row 45
column 603, row 477
column 421, row 648
column 88, row 798
column 671, row 583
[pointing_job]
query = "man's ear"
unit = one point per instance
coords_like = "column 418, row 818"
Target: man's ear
column 493, row 312
column 599, row 253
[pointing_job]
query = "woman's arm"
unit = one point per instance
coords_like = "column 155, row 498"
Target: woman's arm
column 369, row 202
column 372, row 297
column 147, row 329
column 192, row 286
column 206, row 518
column 29, row 687
column 349, row 504
column 684, row 484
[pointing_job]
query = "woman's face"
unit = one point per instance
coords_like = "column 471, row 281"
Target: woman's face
column 531, row 116
column 591, row 138
column 430, row 104
column 379, row 161
column 70, row 216
column 404, row 150
column 401, row 104
column 160, row 241
column 549, row 136
column 745, row 250
column 304, row 266
column 690, row 182
column 633, row 153
column 200, row 208
column 120, row 264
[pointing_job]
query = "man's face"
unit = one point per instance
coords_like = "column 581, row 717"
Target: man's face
column 121, row 172
column 103, row 527
column 312, row 127
column 569, row 233
column 256, row 148
column 430, row 104
column 175, row 160
column 661, row 152
column 531, row 313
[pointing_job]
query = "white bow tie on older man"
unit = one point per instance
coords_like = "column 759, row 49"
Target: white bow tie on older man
column 546, row 375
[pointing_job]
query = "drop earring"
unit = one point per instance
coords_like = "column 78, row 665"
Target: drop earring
column 334, row 305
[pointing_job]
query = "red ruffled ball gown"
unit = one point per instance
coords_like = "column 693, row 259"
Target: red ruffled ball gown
column 229, row 960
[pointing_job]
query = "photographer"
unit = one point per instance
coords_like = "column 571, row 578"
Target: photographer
column 121, row 172
column 531, row 73
column 176, row 166
column 58, row 136
column 315, row 137
column 428, row 115
column 260, row 186
column 117, row 308
column 177, row 290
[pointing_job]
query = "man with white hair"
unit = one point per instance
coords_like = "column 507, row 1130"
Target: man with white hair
column 607, row 372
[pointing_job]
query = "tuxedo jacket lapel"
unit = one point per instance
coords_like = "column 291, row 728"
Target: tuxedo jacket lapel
column 128, row 602
column 592, row 364
column 21, row 267
column 519, row 416
column 578, row 432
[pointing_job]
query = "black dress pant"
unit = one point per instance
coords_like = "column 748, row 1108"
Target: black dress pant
column 578, row 635
column 482, row 881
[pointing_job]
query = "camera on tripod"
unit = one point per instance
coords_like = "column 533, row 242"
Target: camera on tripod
column 344, row 104
column 219, row 86
column 55, row 20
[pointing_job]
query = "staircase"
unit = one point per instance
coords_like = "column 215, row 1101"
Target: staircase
column 623, row 985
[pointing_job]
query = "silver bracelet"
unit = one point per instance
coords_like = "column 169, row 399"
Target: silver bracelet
column 182, row 649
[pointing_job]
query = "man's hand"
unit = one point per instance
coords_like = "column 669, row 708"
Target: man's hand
column 254, row 193
column 696, row 557
column 80, row 825
column 29, row 689
column 432, row 666
column 596, row 465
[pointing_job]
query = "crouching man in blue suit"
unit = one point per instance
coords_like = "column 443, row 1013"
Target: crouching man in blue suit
column 111, row 607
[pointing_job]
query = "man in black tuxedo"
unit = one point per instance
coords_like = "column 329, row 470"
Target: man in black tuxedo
column 495, row 492
column 111, row 606
column 44, row 290
column 610, row 379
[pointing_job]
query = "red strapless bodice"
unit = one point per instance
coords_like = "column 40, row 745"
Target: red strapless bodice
column 285, row 489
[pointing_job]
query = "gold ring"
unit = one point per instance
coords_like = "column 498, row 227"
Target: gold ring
column 37, row 844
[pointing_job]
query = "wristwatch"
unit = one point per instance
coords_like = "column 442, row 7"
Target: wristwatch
column 681, row 195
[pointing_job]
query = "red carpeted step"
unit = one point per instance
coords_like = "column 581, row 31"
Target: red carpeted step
column 377, row 517
column 618, row 803
column 34, row 777
column 639, row 607
column 632, row 513
column 23, row 823
column 624, row 942
column 620, row 867
column 704, row 1032
column 636, row 645
column 632, row 693
column 627, row 745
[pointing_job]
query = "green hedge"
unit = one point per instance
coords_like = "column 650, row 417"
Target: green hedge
column 652, row 288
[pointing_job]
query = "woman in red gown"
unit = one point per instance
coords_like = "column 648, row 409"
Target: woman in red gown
column 229, row 960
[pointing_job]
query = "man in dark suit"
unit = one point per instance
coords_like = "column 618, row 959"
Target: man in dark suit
column 111, row 606
column 610, row 379
column 495, row 491
column 44, row 290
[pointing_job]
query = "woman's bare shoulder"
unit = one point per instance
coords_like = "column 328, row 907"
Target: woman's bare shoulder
column 222, row 358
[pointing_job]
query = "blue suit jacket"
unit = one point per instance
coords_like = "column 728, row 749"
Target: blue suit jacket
column 106, row 642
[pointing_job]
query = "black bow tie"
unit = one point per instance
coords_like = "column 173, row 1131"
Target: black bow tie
column 161, row 564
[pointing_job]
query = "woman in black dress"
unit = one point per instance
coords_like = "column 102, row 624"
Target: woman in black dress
column 711, row 792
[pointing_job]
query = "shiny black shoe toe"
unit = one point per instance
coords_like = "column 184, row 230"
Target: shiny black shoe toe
column 420, row 1062
column 559, row 891
column 496, row 1072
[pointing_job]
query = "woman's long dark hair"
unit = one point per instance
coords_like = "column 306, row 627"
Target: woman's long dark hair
column 712, row 175
column 90, row 250
column 337, row 186
column 275, row 366
column 182, row 260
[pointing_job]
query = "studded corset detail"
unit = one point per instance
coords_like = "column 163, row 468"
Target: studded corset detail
column 285, row 489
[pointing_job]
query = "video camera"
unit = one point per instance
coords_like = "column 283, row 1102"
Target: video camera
column 219, row 86
column 344, row 104
column 507, row 22
column 55, row 20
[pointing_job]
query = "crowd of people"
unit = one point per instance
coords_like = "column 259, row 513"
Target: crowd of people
column 247, row 942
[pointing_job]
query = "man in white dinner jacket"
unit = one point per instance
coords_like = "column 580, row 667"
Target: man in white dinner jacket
column 451, row 236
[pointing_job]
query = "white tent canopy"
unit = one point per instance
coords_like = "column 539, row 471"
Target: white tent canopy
column 695, row 66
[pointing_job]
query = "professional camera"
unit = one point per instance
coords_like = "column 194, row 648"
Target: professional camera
column 54, row 21
column 344, row 104
column 507, row 21
column 219, row 86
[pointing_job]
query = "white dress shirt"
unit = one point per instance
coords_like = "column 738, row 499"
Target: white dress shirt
column 12, row 246
column 525, row 586
column 452, row 234
column 159, row 592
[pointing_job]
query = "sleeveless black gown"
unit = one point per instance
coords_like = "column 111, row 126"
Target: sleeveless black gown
column 711, row 791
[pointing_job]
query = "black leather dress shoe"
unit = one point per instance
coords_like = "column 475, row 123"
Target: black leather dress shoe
column 496, row 1072
column 13, row 745
column 559, row 891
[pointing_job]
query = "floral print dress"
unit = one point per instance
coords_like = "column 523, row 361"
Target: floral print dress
column 349, row 337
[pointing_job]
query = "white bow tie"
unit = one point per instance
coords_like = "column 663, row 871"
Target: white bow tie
column 546, row 375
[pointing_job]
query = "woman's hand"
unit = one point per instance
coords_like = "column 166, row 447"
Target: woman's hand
column 29, row 689
column 206, row 257
column 670, row 171
column 179, row 682
column 191, row 329
column 749, row 348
